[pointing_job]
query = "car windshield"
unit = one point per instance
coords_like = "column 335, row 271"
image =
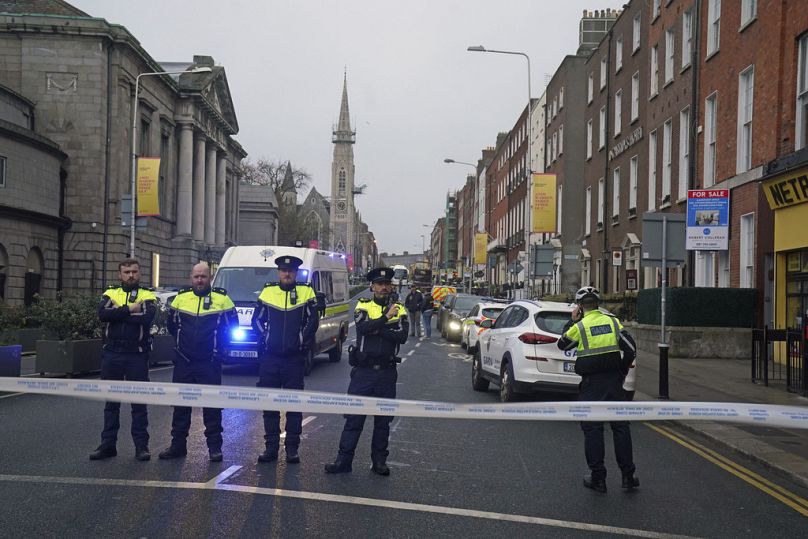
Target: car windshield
column 492, row 312
column 465, row 303
column 552, row 321
column 244, row 284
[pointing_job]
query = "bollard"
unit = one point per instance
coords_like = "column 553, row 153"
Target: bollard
column 663, row 371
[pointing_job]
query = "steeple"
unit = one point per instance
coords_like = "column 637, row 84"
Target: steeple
column 343, row 131
column 287, row 190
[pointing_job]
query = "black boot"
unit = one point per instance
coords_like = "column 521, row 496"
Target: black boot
column 596, row 484
column 270, row 455
column 630, row 482
column 172, row 452
column 341, row 465
column 380, row 468
column 292, row 456
column 142, row 453
column 103, row 452
column 215, row 455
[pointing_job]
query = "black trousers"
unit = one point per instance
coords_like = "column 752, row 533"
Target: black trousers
column 369, row 383
column 282, row 373
column 197, row 372
column 132, row 366
column 606, row 386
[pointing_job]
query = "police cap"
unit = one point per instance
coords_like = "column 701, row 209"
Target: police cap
column 288, row 262
column 380, row 275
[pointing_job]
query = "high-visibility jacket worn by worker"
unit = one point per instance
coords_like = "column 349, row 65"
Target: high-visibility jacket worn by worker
column 599, row 340
column 201, row 322
column 378, row 338
column 286, row 320
column 125, row 331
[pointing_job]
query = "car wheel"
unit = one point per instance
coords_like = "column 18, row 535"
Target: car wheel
column 335, row 354
column 463, row 344
column 478, row 383
column 506, row 392
column 308, row 362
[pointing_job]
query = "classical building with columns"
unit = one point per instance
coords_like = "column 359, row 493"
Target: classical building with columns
column 80, row 72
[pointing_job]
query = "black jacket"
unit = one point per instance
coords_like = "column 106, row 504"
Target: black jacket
column 201, row 323
column 376, row 336
column 286, row 320
column 413, row 301
column 126, row 331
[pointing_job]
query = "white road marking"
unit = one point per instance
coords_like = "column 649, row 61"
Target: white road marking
column 417, row 345
column 337, row 498
column 11, row 395
column 306, row 420
column 158, row 369
column 222, row 476
column 410, row 353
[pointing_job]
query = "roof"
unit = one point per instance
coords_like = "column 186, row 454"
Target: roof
column 41, row 7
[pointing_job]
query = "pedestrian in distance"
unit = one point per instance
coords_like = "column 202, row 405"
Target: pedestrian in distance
column 201, row 319
column 413, row 304
column 381, row 328
column 286, row 319
column 605, row 352
column 127, row 311
column 427, row 308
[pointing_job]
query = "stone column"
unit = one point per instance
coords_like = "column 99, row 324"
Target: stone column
column 199, row 189
column 185, row 185
column 210, row 195
column 221, row 186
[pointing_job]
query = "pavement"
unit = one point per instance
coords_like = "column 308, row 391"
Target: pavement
column 784, row 451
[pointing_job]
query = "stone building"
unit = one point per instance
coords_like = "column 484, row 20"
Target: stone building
column 257, row 215
column 81, row 72
column 343, row 209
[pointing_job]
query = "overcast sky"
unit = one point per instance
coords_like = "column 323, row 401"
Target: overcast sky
column 416, row 95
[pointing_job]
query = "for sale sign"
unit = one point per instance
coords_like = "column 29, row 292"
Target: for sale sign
column 707, row 220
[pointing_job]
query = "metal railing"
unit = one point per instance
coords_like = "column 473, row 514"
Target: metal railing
column 780, row 355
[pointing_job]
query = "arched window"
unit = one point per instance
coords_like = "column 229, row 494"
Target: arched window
column 3, row 271
column 342, row 181
column 34, row 267
column 314, row 225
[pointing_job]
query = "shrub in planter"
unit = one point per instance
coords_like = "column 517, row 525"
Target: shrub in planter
column 20, row 325
column 74, row 325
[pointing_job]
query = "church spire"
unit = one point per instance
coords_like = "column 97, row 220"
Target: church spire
column 343, row 131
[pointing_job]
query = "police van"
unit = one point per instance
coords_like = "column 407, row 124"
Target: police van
column 245, row 269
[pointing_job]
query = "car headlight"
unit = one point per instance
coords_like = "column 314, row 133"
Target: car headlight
column 238, row 335
column 454, row 324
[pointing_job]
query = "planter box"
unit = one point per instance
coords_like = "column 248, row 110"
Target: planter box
column 69, row 357
column 162, row 351
column 10, row 357
column 26, row 337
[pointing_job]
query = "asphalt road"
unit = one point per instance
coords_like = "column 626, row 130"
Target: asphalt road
column 449, row 477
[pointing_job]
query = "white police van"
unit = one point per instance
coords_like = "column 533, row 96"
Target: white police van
column 245, row 269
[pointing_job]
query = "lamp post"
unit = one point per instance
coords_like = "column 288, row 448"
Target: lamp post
column 134, row 147
column 480, row 48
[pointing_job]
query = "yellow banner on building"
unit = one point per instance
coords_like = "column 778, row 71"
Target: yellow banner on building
column 480, row 245
column 544, row 203
column 148, row 179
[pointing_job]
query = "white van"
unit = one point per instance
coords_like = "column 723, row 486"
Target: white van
column 245, row 269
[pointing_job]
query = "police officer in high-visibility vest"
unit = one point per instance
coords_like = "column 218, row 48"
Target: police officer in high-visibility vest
column 127, row 312
column 201, row 318
column 604, row 353
column 286, row 318
column 382, row 326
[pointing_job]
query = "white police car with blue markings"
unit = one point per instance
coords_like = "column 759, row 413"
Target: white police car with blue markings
column 519, row 353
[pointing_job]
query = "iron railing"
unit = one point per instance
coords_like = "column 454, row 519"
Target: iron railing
column 780, row 355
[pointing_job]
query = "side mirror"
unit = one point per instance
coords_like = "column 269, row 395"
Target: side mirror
column 320, row 302
column 486, row 324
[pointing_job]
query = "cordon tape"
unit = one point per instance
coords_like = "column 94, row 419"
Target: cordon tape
column 259, row 398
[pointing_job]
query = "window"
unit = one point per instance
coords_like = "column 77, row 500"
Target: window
column 667, row 132
column 748, row 11
column 618, row 111
column 561, row 98
column 684, row 151
column 723, row 269
column 655, row 9
column 555, row 145
column 635, row 96
column 555, row 106
column 654, row 70
column 589, row 139
column 746, row 87
column 652, row 147
column 618, row 54
column 601, row 201
column 635, row 35
column 602, row 127
column 145, row 137
column 713, row 25
column 687, row 37
column 669, row 51
column 802, row 95
column 603, row 73
column 588, row 214
column 704, row 269
column 747, row 254
column 616, row 195
column 710, row 110
column 590, row 88
column 560, row 139
column 2, row 171
column 632, row 185
column 162, row 185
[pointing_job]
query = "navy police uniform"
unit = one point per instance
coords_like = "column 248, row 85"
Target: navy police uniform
column 286, row 319
column 200, row 321
column 374, row 373
column 125, row 356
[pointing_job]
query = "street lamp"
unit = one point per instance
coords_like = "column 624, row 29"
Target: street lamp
column 134, row 147
column 480, row 48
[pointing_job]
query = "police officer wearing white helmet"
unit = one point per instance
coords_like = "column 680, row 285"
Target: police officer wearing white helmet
column 605, row 351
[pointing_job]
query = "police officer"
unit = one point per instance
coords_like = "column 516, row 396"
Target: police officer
column 381, row 327
column 286, row 318
column 200, row 320
column 604, row 353
column 128, row 311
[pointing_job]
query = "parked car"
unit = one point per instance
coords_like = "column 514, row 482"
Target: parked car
column 520, row 354
column 484, row 310
column 455, row 313
column 440, row 295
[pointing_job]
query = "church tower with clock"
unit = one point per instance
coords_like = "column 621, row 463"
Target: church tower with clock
column 343, row 212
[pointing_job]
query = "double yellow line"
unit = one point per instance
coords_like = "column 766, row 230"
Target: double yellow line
column 785, row 496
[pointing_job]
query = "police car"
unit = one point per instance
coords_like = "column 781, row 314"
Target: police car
column 519, row 352
column 471, row 323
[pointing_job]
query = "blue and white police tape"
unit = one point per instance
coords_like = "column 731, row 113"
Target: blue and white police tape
column 258, row 398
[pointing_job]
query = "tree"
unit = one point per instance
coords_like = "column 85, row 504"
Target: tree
column 271, row 173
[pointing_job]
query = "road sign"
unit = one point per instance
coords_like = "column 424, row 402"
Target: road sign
column 542, row 259
column 617, row 258
column 631, row 279
column 652, row 249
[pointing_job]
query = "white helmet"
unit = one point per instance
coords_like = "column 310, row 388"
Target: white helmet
column 587, row 292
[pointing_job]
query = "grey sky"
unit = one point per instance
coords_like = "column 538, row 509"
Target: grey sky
column 416, row 95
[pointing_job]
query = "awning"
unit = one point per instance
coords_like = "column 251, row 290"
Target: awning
column 585, row 253
column 631, row 240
